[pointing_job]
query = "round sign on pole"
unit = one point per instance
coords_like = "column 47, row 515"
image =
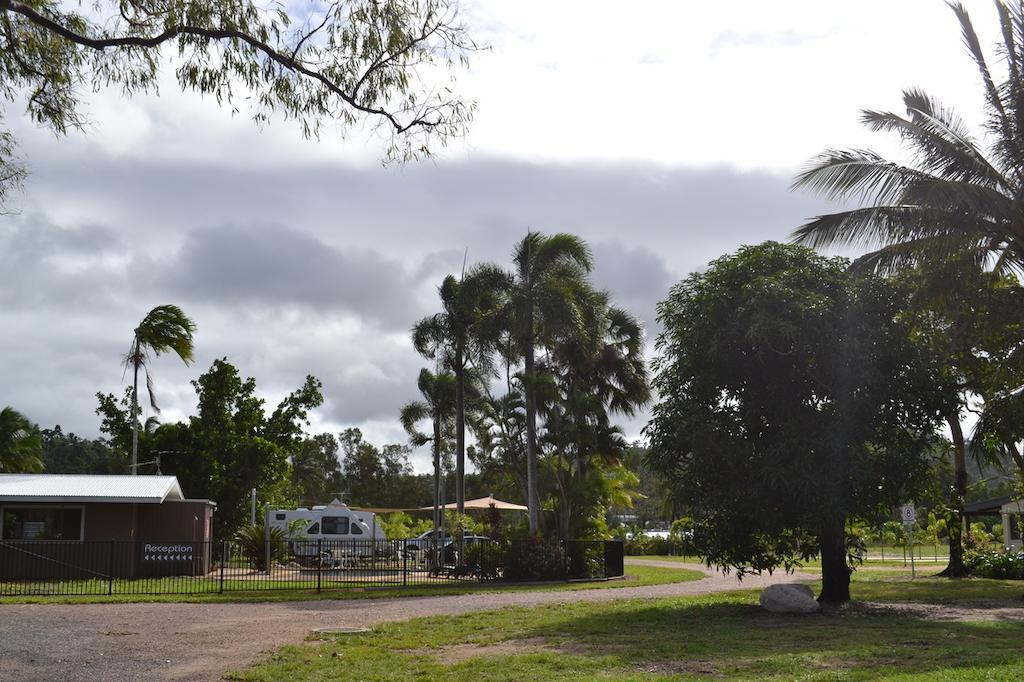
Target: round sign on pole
column 909, row 514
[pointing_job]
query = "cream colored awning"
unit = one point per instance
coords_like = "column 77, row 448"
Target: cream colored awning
column 489, row 502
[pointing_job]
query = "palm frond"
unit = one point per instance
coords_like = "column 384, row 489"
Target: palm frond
column 860, row 174
column 999, row 121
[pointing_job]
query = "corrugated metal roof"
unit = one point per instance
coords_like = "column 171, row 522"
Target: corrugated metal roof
column 88, row 488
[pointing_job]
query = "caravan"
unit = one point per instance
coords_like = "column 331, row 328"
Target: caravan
column 333, row 532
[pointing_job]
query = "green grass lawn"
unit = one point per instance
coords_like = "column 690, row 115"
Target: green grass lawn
column 925, row 565
column 723, row 636
column 272, row 590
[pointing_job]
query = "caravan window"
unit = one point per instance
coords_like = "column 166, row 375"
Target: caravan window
column 314, row 529
column 356, row 530
column 335, row 525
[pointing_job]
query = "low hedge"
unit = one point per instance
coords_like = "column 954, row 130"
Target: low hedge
column 999, row 565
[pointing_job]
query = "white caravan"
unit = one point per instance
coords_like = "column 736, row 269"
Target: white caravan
column 343, row 533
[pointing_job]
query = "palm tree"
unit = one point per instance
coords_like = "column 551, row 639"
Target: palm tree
column 550, row 273
column 598, row 371
column 438, row 405
column 463, row 336
column 954, row 199
column 164, row 329
column 20, row 443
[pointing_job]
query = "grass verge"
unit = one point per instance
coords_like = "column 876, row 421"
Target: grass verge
column 724, row 636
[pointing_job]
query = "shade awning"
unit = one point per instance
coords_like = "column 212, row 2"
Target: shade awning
column 489, row 502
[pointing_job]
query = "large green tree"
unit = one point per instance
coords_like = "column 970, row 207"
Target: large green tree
column 550, row 278
column 164, row 329
column 382, row 62
column 791, row 399
column 956, row 197
column 20, row 444
column 316, row 470
column 379, row 477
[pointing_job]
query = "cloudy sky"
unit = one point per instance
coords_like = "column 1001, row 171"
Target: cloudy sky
column 665, row 133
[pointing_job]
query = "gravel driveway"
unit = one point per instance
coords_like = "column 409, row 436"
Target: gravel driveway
column 203, row 641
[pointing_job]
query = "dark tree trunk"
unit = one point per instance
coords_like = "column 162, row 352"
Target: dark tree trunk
column 435, row 544
column 956, row 568
column 135, row 419
column 460, row 447
column 532, row 492
column 835, row 572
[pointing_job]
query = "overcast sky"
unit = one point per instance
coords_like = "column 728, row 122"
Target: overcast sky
column 665, row 133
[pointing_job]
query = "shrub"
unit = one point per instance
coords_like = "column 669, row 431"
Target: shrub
column 999, row 565
column 484, row 559
column 534, row 558
column 253, row 543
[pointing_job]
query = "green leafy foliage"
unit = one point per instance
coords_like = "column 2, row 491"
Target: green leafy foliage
column 380, row 477
column 66, row 453
column 991, row 564
column 534, row 558
column 20, row 443
column 253, row 542
column 337, row 63
column 791, row 399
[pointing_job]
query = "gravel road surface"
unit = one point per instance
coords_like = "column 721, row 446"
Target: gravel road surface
column 113, row 642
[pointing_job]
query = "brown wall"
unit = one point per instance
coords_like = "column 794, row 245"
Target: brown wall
column 115, row 543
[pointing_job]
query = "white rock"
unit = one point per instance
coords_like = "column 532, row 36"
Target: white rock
column 789, row 598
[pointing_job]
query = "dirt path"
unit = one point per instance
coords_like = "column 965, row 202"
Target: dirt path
column 202, row 641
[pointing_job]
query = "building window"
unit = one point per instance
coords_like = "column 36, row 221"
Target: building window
column 335, row 525
column 42, row 523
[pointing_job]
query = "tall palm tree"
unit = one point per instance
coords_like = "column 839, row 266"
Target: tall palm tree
column 438, row 405
column 463, row 336
column 598, row 371
column 954, row 198
column 20, row 443
column 164, row 329
column 550, row 274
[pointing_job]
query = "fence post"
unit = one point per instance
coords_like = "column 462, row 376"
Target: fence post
column 110, row 570
column 223, row 560
column 319, row 562
column 405, row 562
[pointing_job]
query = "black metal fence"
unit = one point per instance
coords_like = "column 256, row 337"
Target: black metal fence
column 117, row 567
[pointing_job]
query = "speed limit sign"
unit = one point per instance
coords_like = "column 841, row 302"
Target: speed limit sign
column 909, row 514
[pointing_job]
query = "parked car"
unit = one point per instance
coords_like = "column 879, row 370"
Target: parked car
column 423, row 541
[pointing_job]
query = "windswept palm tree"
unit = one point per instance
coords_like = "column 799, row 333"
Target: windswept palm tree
column 164, row 329
column 20, row 443
column 550, row 275
column 438, row 405
column 956, row 198
column 463, row 336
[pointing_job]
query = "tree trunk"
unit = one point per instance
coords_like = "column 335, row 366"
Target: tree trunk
column 956, row 568
column 135, row 418
column 460, row 448
column 835, row 572
column 532, row 493
column 435, row 543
